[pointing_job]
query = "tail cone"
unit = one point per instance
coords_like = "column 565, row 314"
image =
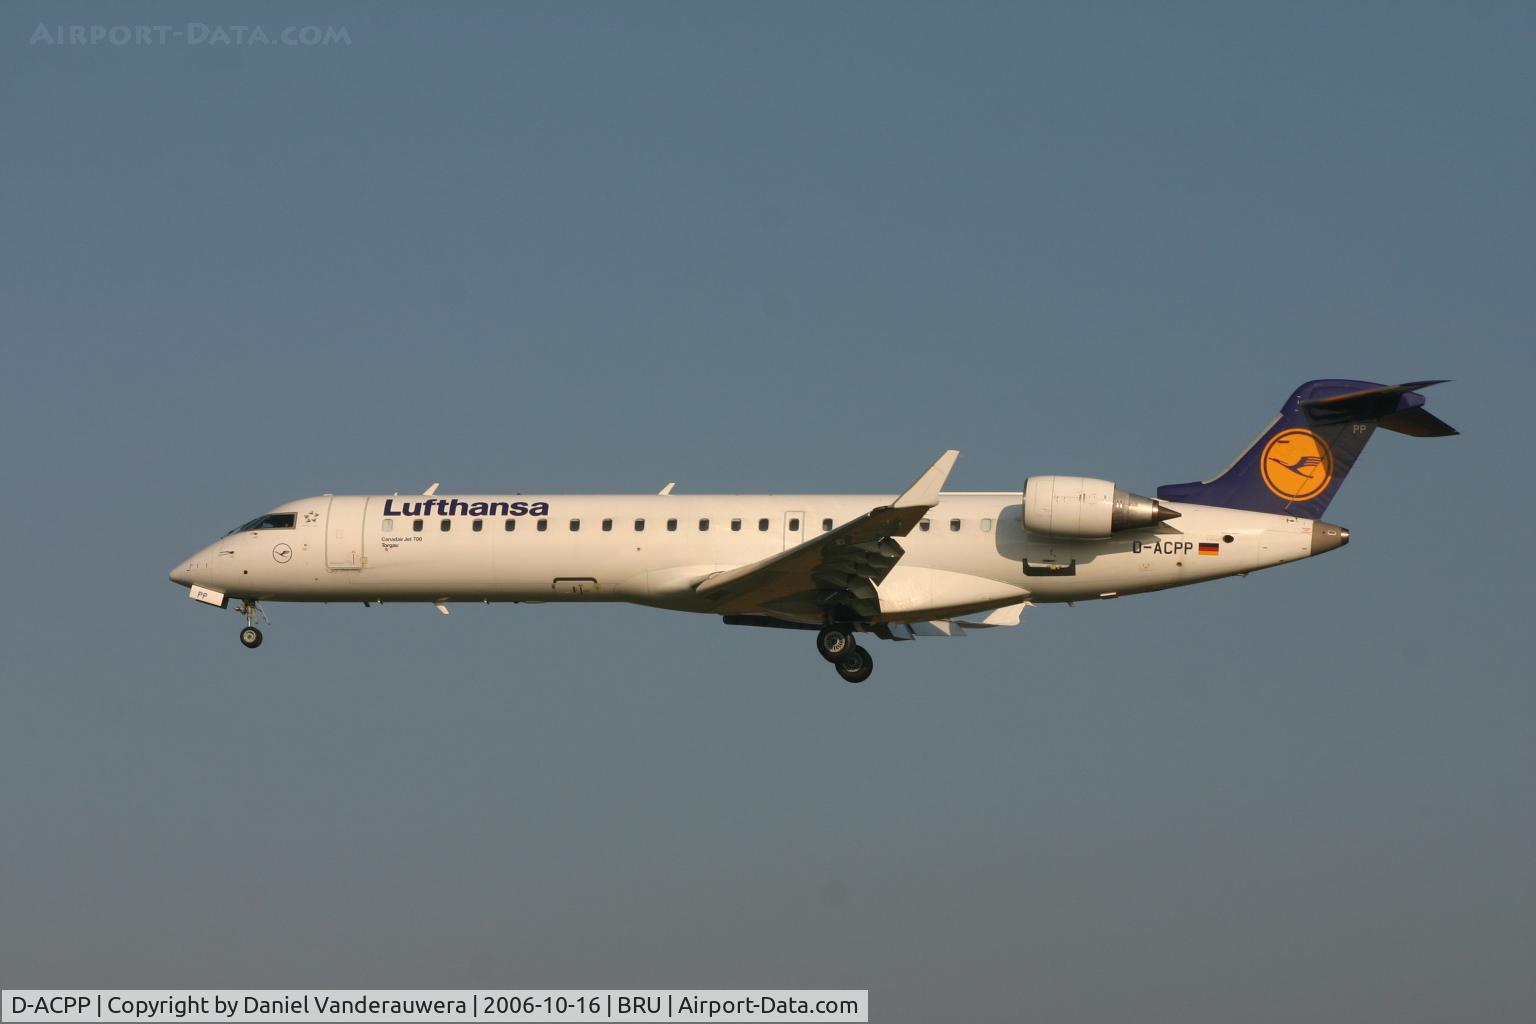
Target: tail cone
column 1326, row 537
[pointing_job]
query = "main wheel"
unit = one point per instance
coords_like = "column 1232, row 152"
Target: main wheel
column 250, row 636
column 856, row 665
column 834, row 642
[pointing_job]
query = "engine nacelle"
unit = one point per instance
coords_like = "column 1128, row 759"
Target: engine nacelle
column 1080, row 506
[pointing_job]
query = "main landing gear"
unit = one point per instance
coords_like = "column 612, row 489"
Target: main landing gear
column 836, row 644
column 250, row 635
column 856, row 665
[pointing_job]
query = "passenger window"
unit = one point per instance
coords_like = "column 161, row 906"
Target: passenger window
column 826, row 525
column 416, row 526
column 575, row 525
column 607, row 525
column 543, row 525
column 511, row 525
column 477, row 525
column 703, row 525
column 762, row 526
column 794, row 525
column 639, row 525
column 671, row 524
column 735, row 525
column 924, row 525
column 445, row 525
column 986, row 526
column 954, row 526
column 389, row 524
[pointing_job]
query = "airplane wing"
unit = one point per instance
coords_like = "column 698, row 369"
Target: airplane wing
column 842, row 565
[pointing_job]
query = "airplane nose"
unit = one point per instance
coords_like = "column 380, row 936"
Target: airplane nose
column 181, row 576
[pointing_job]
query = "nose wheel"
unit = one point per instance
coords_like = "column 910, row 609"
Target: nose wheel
column 250, row 636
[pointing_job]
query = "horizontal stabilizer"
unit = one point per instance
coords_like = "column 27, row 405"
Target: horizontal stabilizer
column 1385, row 389
column 1418, row 422
column 1365, row 404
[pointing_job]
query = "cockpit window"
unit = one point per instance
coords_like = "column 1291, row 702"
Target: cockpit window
column 271, row 521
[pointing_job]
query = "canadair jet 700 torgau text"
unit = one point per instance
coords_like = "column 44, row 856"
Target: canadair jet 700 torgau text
column 926, row 563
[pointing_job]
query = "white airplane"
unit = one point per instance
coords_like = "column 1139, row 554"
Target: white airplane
column 924, row 563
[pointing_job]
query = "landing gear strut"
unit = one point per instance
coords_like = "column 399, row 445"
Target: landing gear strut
column 250, row 635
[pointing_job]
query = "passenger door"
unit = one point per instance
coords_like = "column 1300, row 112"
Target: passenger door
column 344, row 533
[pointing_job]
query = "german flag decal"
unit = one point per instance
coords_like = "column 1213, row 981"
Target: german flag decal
column 1209, row 549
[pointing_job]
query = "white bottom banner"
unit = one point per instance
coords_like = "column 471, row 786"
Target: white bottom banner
column 532, row 1006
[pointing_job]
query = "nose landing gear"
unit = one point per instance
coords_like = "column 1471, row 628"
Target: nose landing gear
column 250, row 636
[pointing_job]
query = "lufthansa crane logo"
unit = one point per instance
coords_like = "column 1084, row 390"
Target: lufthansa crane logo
column 1297, row 465
column 282, row 553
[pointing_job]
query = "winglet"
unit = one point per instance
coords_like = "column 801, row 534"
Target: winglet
column 925, row 492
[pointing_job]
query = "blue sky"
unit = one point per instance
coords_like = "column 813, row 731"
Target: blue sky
column 775, row 247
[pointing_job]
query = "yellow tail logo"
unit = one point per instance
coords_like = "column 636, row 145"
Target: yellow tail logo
column 1297, row 465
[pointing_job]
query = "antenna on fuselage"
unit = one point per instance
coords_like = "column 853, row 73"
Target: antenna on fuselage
column 429, row 491
column 665, row 490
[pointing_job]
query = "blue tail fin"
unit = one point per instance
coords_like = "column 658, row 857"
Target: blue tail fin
column 1298, row 464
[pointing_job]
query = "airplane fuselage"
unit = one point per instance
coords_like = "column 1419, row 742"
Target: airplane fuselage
column 970, row 552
